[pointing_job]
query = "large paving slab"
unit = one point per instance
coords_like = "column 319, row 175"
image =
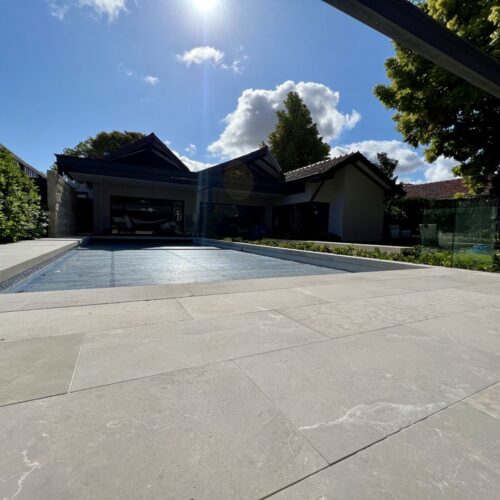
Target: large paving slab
column 347, row 393
column 343, row 292
column 61, row 321
column 351, row 317
column 454, row 454
column 88, row 296
column 479, row 328
column 200, row 433
column 37, row 368
column 235, row 303
column 118, row 355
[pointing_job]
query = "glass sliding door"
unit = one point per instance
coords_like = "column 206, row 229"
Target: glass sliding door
column 131, row 215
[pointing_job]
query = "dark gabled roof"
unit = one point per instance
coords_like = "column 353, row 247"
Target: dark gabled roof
column 319, row 168
column 149, row 150
column 72, row 165
column 262, row 158
column 24, row 164
column 326, row 168
column 436, row 190
column 258, row 169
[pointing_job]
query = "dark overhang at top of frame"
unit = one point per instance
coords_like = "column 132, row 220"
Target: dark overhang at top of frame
column 411, row 27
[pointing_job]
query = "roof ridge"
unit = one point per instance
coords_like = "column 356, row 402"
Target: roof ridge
column 323, row 161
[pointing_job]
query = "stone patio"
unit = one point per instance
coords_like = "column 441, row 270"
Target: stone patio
column 367, row 385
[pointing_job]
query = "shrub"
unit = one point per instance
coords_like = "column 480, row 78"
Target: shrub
column 415, row 255
column 21, row 215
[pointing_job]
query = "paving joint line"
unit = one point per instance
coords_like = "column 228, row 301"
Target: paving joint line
column 378, row 441
column 273, row 404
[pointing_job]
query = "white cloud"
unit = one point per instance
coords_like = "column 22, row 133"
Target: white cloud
column 211, row 55
column 255, row 116
column 411, row 163
column 193, row 165
column 152, row 80
column 149, row 79
column 58, row 9
column 200, row 55
column 191, row 149
column 107, row 8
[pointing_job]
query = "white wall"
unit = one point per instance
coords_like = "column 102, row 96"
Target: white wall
column 363, row 208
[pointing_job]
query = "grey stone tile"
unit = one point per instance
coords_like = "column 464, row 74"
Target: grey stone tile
column 252, row 285
column 346, row 393
column 234, row 303
column 130, row 353
column 61, row 321
column 89, row 296
column 479, row 328
column 417, row 283
column 454, row 454
column 430, row 304
column 37, row 368
column 473, row 277
column 487, row 401
column 348, row 318
column 341, row 292
column 200, row 433
column 486, row 288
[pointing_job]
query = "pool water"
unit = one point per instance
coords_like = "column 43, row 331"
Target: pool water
column 112, row 263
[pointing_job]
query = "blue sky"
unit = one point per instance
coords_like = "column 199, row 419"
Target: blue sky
column 204, row 75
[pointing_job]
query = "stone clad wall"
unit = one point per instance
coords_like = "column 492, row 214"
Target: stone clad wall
column 62, row 202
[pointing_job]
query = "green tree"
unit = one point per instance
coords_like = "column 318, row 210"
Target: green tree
column 438, row 109
column 388, row 165
column 21, row 215
column 103, row 143
column 392, row 210
column 295, row 142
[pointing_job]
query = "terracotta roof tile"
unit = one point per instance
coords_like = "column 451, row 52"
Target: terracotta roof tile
column 436, row 190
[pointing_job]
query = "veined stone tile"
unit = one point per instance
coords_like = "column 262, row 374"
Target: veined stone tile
column 129, row 353
column 348, row 318
column 38, row 368
column 487, row 401
column 347, row 393
column 89, row 296
column 341, row 292
column 479, row 328
column 214, row 305
column 454, row 454
column 61, row 321
column 200, row 433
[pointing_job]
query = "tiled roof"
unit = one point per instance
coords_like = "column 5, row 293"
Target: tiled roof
column 316, row 168
column 436, row 190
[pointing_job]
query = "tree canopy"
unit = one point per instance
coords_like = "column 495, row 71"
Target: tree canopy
column 103, row 143
column 295, row 141
column 388, row 165
column 438, row 109
column 21, row 215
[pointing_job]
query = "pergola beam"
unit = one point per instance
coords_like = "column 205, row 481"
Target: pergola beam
column 411, row 27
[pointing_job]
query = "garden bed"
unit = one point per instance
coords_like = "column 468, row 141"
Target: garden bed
column 413, row 255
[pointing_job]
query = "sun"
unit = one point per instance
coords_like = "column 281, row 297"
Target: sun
column 205, row 5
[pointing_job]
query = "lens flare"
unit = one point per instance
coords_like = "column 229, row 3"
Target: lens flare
column 205, row 5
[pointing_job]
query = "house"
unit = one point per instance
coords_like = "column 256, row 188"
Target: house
column 144, row 188
column 38, row 177
column 440, row 190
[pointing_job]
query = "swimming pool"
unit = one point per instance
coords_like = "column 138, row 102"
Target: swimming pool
column 102, row 264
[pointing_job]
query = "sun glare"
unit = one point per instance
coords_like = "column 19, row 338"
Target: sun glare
column 205, row 5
